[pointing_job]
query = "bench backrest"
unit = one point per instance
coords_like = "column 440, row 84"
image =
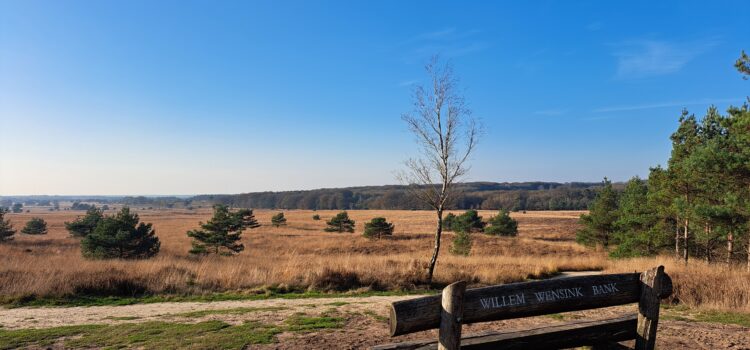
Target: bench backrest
column 535, row 298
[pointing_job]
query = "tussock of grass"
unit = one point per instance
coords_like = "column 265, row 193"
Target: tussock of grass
column 683, row 313
column 375, row 316
column 123, row 318
column 302, row 323
column 13, row 339
column 148, row 335
column 233, row 311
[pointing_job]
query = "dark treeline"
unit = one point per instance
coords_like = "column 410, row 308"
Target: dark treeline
column 474, row 195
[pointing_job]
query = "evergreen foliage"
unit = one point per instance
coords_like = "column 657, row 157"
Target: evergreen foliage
column 699, row 204
column 469, row 221
column 83, row 226
column 448, row 222
column 378, row 228
column 502, row 225
column 17, row 207
column 35, row 226
column 121, row 236
column 278, row 220
column 221, row 234
column 461, row 243
column 316, row 217
column 340, row 223
column 598, row 224
column 6, row 228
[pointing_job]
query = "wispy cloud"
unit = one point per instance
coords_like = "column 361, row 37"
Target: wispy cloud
column 647, row 58
column 635, row 107
column 408, row 82
column 550, row 112
column 448, row 42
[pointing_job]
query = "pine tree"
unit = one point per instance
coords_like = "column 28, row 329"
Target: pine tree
column 35, row 226
column 743, row 65
column 636, row 222
column 340, row 223
column 502, row 225
column 461, row 243
column 278, row 220
column 6, row 228
column 660, row 200
column 598, row 225
column 738, row 129
column 469, row 221
column 448, row 221
column 683, row 175
column 83, row 226
column 221, row 234
column 121, row 236
column 378, row 227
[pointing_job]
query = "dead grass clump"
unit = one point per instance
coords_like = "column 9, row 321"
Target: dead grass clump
column 338, row 281
column 109, row 282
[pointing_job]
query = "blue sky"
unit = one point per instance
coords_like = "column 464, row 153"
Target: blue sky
column 184, row 97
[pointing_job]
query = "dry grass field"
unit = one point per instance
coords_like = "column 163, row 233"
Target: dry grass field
column 300, row 256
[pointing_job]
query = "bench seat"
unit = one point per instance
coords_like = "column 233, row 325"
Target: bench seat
column 567, row 335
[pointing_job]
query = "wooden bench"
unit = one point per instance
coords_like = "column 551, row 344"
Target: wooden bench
column 459, row 306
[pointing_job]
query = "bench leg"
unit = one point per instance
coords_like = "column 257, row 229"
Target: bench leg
column 451, row 316
column 648, row 308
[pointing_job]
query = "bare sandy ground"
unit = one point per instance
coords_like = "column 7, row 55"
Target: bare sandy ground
column 365, row 325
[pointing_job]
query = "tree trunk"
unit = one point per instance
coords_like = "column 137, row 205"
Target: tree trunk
column 686, row 244
column 707, row 230
column 436, row 250
column 730, row 247
column 677, row 239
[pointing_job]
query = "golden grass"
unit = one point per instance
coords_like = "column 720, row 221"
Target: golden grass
column 302, row 256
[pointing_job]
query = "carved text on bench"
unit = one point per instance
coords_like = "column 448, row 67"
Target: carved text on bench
column 547, row 296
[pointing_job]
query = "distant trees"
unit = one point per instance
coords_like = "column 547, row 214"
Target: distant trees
column 6, row 228
column 83, row 226
column 316, row 217
column 278, row 220
column 447, row 134
column 340, row 223
column 121, row 236
column 35, row 226
column 17, row 207
column 221, row 234
column 378, row 228
column 81, row 206
column 502, row 225
column 472, row 195
column 598, row 225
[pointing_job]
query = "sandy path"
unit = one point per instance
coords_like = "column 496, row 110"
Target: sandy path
column 365, row 324
column 44, row 317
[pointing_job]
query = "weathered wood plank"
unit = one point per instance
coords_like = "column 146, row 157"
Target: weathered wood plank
column 573, row 334
column 449, row 336
column 656, row 285
column 518, row 300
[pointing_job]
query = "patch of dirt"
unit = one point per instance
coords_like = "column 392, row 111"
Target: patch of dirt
column 365, row 322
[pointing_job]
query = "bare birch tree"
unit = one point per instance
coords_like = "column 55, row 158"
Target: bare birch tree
column 447, row 134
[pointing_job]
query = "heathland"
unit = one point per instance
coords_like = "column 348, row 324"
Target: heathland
column 300, row 259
